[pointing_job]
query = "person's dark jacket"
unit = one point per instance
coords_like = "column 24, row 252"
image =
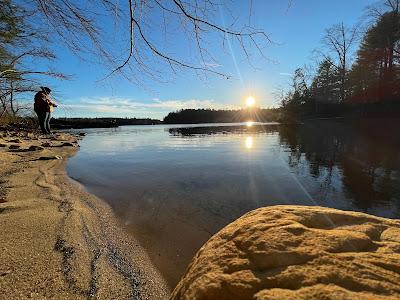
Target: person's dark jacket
column 42, row 102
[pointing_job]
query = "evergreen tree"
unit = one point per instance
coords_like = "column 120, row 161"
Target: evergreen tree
column 375, row 75
column 298, row 101
column 325, row 87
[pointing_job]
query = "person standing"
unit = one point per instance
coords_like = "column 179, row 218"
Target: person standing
column 43, row 107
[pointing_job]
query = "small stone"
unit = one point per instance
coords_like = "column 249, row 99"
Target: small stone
column 82, row 133
column 15, row 141
column 4, row 273
column 35, row 148
column 2, row 145
column 50, row 157
column 67, row 144
column 13, row 147
column 46, row 144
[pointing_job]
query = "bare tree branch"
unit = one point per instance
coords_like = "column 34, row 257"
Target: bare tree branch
column 77, row 25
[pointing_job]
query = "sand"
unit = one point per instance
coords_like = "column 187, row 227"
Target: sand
column 58, row 241
column 297, row 252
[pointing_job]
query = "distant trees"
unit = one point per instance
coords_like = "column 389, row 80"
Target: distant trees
column 197, row 116
column 339, row 85
column 68, row 123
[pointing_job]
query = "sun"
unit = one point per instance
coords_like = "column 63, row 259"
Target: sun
column 250, row 101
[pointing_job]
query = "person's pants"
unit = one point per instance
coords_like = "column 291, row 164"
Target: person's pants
column 44, row 120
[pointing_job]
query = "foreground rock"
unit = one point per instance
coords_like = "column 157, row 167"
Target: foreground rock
column 297, row 252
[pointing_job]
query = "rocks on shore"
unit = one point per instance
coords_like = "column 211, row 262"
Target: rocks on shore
column 67, row 144
column 15, row 141
column 14, row 147
column 22, row 141
column 297, row 252
column 35, row 148
column 50, row 157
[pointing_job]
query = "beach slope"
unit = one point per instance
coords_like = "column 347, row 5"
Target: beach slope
column 57, row 240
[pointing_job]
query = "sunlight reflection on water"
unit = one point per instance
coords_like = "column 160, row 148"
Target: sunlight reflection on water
column 249, row 142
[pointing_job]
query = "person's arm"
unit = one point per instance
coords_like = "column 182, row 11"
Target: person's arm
column 50, row 101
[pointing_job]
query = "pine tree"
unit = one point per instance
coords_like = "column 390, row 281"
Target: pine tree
column 375, row 75
column 326, row 83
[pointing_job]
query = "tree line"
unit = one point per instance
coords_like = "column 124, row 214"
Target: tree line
column 368, row 84
column 77, row 123
column 197, row 116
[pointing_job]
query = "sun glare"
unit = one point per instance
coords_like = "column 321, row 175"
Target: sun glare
column 250, row 101
column 249, row 142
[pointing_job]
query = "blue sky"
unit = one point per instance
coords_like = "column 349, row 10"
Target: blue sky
column 296, row 31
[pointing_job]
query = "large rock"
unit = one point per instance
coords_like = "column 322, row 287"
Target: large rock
column 297, row 252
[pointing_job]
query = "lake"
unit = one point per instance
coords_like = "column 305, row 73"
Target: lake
column 174, row 186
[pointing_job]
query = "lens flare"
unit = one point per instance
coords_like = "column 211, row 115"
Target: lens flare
column 250, row 101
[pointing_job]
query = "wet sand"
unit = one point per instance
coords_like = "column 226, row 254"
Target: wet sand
column 57, row 240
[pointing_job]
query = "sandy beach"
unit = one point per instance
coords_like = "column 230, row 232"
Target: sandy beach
column 57, row 240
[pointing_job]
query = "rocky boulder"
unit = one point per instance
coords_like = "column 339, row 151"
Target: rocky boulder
column 297, row 252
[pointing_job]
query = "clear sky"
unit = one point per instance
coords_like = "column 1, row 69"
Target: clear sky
column 296, row 31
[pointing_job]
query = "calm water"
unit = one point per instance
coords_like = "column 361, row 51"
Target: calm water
column 174, row 187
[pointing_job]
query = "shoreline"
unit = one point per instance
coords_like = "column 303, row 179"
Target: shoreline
column 58, row 240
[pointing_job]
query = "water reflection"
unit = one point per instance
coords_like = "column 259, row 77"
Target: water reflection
column 211, row 129
column 350, row 165
column 249, row 142
column 360, row 158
